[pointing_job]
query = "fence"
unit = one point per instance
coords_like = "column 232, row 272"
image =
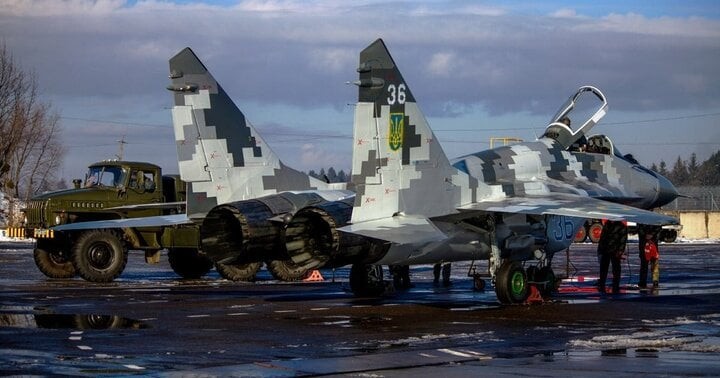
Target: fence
column 703, row 198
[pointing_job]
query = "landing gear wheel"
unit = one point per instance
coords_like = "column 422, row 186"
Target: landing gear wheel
column 286, row 270
column 511, row 284
column 478, row 283
column 238, row 272
column 367, row 280
column 189, row 262
column 546, row 275
column 99, row 256
column 52, row 262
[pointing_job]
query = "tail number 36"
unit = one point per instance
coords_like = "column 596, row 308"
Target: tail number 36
column 396, row 94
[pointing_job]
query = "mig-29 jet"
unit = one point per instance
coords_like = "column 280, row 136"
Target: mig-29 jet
column 515, row 206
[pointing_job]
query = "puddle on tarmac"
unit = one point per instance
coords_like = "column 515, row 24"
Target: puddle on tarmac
column 69, row 321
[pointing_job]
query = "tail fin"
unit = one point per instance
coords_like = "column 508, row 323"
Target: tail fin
column 220, row 154
column 398, row 165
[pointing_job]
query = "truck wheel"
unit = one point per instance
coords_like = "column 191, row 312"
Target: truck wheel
column 668, row 236
column 189, row 262
column 581, row 235
column 286, row 270
column 238, row 272
column 53, row 263
column 99, row 256
column 595, row 231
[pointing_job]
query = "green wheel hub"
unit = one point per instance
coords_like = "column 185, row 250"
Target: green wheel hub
column 517, row 283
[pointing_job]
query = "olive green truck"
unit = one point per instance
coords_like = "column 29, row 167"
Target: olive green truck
column 112, row 190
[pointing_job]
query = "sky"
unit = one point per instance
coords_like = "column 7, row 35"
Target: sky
column 478, row 69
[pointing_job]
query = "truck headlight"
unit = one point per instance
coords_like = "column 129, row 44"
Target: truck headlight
column 58, row 219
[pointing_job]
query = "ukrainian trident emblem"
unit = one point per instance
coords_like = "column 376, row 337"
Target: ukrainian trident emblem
column 395, row 134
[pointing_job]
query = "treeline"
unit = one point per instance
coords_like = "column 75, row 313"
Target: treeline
column 690, row 172
column 330, row 175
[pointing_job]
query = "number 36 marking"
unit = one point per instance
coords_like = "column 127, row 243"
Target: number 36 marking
column 397, row 94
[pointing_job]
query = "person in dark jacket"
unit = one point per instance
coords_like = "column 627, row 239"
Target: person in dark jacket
column 611, row 247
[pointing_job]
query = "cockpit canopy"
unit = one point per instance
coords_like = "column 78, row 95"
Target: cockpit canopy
column 583, row 110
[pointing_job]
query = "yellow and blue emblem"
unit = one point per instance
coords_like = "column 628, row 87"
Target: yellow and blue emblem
column 395, row 133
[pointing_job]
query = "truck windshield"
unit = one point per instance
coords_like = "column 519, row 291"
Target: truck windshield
column 105, row 176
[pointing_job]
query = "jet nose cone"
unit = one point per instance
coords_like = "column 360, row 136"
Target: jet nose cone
column 666, row 192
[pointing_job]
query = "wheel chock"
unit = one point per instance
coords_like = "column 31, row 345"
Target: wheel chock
column 534, row 296
column 314, row 276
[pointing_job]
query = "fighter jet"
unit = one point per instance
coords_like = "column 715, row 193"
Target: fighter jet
column 515, row 206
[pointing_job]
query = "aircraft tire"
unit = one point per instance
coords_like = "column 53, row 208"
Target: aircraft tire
column 189, row 262
column 53, row 263
column 99, row 256
column 367, row 280
column 511, row 284
column 238, row 272
column 286, row 270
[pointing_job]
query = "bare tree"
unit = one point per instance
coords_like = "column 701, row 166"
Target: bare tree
column 13, row 87
column 30, row 147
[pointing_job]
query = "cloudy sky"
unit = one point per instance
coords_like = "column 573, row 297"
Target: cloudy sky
column 478, row 69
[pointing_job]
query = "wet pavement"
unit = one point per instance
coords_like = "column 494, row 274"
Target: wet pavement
column 150, row 322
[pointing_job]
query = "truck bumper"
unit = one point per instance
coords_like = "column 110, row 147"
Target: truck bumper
column 36, row 233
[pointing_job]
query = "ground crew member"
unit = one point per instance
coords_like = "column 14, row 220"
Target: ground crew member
column 643, row 231
column 652, row 255
column 611, row 247
column 445, row 269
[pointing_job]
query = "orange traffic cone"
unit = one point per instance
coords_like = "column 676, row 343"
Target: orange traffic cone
column 314, row 276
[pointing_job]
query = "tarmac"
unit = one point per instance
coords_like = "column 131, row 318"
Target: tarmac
column 150, row 322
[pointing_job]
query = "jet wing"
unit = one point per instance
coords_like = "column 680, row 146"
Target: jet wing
column 398, row 229
column 162, row 220
column 573, row 206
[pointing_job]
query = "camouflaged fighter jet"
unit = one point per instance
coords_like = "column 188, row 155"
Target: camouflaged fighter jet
column 513, row 205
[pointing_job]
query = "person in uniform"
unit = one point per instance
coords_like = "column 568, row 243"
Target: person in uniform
column 611, row 248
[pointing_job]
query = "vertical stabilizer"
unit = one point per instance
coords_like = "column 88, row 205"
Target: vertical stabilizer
column 220, row 154
column 398, row 165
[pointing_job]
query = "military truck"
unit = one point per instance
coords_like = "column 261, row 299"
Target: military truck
column 112, row 190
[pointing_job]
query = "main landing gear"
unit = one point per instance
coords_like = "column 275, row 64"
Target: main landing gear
column 514, row 284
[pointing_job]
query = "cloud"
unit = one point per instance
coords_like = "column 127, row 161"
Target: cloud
column 107, row 59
